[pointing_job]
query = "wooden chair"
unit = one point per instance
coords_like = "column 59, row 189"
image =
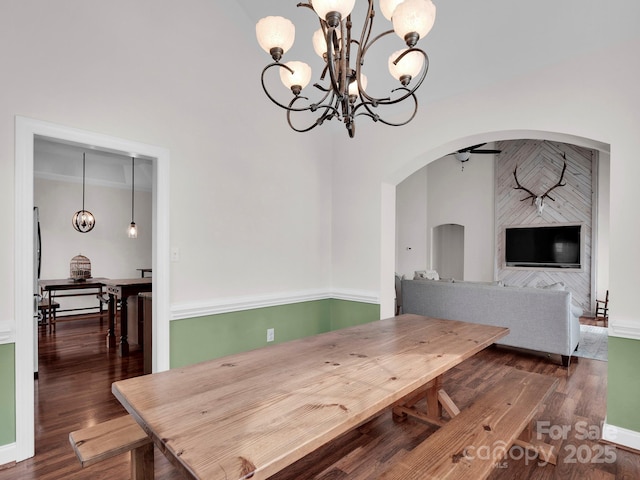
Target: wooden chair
column 602, row 308
column 48, row 314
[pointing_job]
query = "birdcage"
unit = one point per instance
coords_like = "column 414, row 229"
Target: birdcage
column 80, row 268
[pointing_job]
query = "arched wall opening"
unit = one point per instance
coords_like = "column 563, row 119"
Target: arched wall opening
column 388, row 193
column 447, row 250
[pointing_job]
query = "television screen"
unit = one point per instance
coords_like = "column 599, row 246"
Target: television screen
column 543, row 247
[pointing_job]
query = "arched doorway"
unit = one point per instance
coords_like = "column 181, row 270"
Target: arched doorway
column 448, row 250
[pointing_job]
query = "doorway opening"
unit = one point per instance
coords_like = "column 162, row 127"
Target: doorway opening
column 447, row 254
column 27, row 130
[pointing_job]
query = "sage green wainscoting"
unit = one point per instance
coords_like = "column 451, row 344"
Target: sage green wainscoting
column 346, row 313
column 623, row 383
column 7, row 394
column 198, row 339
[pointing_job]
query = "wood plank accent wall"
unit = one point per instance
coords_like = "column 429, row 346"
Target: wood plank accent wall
column 539, row 166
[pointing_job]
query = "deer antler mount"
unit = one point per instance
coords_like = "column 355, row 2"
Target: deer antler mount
column 538, row 200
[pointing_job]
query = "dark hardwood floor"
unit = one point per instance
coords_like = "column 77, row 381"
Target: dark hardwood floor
column 74, row 391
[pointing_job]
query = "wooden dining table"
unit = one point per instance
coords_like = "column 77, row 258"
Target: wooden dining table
column 251, row 414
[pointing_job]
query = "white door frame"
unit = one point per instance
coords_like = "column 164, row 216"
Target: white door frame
column 26, row 131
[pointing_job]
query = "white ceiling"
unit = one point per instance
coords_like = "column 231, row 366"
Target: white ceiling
column 472, row 43
column 55, row 160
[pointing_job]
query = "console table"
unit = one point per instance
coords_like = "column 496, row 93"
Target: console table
column 73, row 288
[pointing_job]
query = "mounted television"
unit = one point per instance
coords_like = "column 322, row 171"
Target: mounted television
column 555, row 246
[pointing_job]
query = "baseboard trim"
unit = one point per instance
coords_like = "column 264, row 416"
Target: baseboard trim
column 238, row 304
column 8, row 455
column 620, row 436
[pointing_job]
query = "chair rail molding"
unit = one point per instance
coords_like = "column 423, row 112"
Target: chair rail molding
column 237, row 304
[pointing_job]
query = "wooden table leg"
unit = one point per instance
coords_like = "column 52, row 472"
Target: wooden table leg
column 52, row 325
column 111, row 334
column 434, row 409
column 124, row 327
column 436, row 399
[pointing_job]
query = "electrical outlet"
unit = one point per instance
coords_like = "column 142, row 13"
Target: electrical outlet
column 271, row 334
column 175, row 254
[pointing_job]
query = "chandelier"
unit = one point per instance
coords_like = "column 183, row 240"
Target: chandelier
column 343, row 91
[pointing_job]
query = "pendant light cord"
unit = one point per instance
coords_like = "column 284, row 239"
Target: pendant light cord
column 83, row 171
column 133, row 177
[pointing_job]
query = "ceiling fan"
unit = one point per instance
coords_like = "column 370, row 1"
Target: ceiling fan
column 464, row 154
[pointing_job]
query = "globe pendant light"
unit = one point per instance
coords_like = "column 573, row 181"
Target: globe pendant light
column 83, row 220
column 132, row 231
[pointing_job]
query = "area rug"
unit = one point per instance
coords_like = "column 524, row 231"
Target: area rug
column 593, row 343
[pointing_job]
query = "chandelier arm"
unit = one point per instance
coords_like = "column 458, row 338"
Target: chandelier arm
column 367, row 28
column 343, row 57
column 308, row 5
column 281, row 105
column 330, row 60
column 386, row 122
column 319, row 120
column 362, row 51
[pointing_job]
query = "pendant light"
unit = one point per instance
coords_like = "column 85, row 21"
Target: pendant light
column 132, row 231
column 83, row 220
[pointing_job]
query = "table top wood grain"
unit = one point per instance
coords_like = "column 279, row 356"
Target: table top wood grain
column 251, row 414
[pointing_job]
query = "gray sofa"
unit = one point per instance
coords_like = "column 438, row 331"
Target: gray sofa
column 539, row 319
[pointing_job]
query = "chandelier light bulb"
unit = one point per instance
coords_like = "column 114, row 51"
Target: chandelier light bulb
column 132, row 231
column 407, row 67
column 353, row 86
column 297, row 80
column 275, row 35
column 413, row 19
column 388, row 6
column 326, row 10
column 320, row 42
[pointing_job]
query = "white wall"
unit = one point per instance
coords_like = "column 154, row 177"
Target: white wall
column 465, row 197
column 602, row 226
column 250, row 199
column 442, row 193
column 411, row 224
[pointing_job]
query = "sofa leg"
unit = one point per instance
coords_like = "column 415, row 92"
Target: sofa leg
column 577, row 346
column 565, row 360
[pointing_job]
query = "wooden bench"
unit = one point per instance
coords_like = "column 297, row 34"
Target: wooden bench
column 48, row 312
column 475, row 441
column 113, row 437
